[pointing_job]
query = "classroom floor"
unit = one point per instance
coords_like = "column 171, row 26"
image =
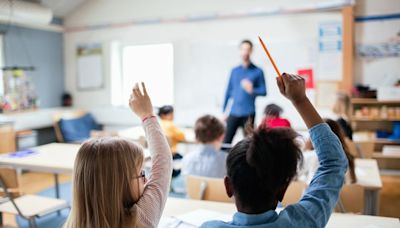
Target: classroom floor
column 36, row 182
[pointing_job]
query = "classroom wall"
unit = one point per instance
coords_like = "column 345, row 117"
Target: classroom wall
column 42, row 50
column 376, row 72
column 186, row 37
column 119, row 10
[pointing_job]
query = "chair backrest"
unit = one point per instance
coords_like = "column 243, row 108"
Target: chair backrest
column 9, row 178
column 353, row 148
column 8, row 141
column 64, row 115
column 360, row 149
column 366, row 149
column 205, row 188
column 294, row 192
column 351, row 199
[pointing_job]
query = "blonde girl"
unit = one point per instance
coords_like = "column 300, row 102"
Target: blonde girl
column 109, row 186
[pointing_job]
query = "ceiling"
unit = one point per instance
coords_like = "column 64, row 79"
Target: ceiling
column 60, row 8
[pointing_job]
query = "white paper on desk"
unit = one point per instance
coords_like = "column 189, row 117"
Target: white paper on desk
column 171, row 222
column 201, row 216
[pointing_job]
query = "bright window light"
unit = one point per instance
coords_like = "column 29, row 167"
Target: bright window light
column 1, row 66
column 153, row 65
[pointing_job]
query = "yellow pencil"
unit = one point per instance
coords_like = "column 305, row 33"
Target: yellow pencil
column 270, row 57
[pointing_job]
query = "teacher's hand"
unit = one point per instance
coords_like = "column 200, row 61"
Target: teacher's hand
column 247, row 85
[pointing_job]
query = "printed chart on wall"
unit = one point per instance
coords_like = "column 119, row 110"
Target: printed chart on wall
column 89, row 66
column 330, row 60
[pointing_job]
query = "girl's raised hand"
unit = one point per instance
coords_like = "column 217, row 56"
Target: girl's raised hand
column 140, row 103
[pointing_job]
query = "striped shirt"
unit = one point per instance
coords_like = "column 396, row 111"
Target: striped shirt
column 151, row 204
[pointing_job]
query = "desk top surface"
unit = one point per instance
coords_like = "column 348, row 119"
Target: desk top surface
column 60, row 157
column 138, row 132
column 367, row 173
column 52, row 158
column 176, row 207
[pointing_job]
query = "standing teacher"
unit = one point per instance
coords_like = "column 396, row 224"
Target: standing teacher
column 245, row 84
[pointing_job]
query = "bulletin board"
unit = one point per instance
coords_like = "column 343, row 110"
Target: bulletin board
column 90, row 75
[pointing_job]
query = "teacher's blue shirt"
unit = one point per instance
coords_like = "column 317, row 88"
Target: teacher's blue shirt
column 244, row 103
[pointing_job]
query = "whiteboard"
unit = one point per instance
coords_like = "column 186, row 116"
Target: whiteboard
column 90, row 66
column 212, row 62
column 90, row 73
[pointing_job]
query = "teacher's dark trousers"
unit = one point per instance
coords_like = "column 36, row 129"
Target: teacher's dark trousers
column 234, row 122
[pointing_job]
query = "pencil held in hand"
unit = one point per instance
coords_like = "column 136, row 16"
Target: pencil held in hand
column 270, row 57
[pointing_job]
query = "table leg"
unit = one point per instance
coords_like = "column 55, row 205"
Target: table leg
column 371, row 202
column 375, row 197
column 57, row 185
column 57, row 188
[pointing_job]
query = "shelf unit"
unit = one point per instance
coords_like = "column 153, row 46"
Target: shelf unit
column 374, row 124
column 374, row 119
column 372, row 101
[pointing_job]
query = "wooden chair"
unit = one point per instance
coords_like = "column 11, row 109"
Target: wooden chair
column 67, row 116
column 353, row 148
column 28, row 207
column 351, row 199
column 205, row 188
column 363, row 149
column 294, row 193
column 8, row 138
column 366, row 149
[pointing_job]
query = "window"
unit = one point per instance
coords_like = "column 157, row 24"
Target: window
column 151, row 64
column 1, row 66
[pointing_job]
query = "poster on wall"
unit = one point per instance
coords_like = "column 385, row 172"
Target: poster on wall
column 307, row 74
column 387, row 47
column 90, row 66
column 330, row 57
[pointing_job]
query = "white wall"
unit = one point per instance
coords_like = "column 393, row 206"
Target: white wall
column 378, row 71
column 103, row 11
column 189, row 102
column 183, row 35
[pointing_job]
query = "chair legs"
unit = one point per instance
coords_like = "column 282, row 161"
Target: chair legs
column 32, row 222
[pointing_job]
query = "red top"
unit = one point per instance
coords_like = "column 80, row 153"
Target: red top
column 275, row 122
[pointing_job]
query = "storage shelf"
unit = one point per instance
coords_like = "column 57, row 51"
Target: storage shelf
column 374, row 119
column 363, row 101
column 385, row 156
column 386, row 141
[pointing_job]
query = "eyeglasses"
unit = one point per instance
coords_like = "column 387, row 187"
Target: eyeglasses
column 142, row 175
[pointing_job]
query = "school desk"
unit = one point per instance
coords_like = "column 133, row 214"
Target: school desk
column 176, row 207
column 55, row 158
column 137, row 132
column 58, row 158
column 367, row 173
column 368, row 177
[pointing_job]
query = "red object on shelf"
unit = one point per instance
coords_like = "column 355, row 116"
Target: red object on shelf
column 307, row 73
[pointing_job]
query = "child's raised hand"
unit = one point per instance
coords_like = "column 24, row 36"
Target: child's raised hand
column 292, row 87
column 140, row 103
